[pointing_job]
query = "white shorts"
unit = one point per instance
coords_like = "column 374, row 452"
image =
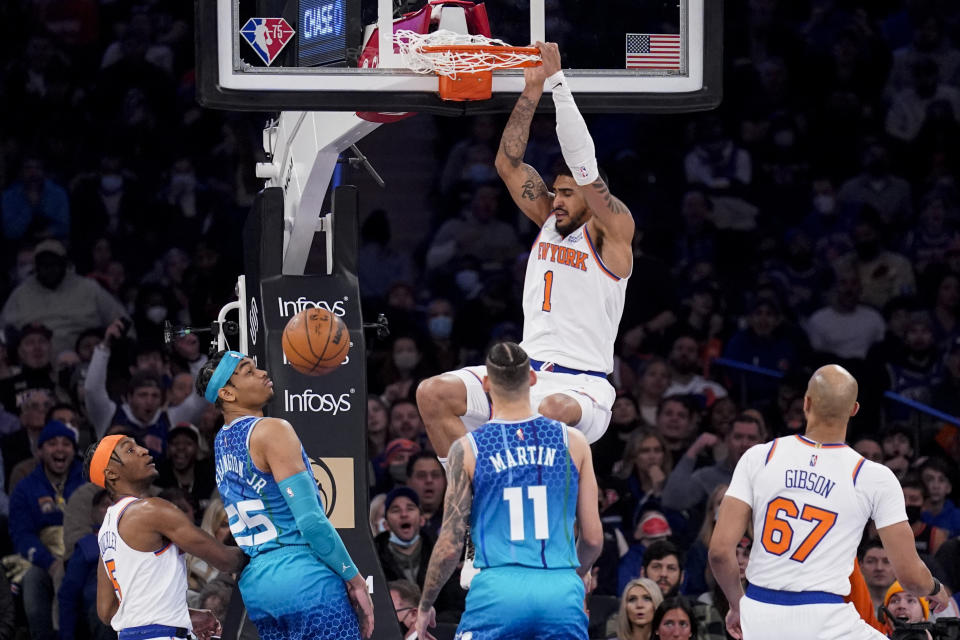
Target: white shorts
column 760, row 620
column 594, row 395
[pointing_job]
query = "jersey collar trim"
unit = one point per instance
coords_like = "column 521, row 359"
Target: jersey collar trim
column 820, row 445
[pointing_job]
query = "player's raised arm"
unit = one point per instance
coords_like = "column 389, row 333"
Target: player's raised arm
column 912, row 573
column 456, row 516
column 580, row 154
column 590, row 543
column 525, row 185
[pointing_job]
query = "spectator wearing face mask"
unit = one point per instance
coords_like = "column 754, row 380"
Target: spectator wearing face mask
column 928, row 538
column 444, row 350
column 404, row 551
column 403, row 370
column 58, row 298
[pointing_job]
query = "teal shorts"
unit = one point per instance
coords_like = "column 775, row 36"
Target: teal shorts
column 290, row 594
column 522, row 602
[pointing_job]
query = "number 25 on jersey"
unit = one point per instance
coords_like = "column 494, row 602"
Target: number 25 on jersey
column 777, row 535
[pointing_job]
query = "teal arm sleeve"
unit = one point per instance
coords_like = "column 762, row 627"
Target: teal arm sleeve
column 300, row 492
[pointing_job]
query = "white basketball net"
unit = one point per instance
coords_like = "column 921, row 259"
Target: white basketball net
column 450, row 63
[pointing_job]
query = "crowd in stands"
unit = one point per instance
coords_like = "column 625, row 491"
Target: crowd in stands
column 813, row 218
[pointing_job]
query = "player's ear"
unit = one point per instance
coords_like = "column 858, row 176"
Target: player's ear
column 486, row 384
column 533, row 377
column 856, row 409
column 226, row 393
column 807, row 403
column 110, row 473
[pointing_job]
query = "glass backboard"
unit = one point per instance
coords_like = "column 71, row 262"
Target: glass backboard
column 620, row 56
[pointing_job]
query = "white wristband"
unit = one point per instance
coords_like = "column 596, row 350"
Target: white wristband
column 575, row 140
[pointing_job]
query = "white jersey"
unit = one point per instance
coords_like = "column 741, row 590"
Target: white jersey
column 571, row 302
column 810, row 504
column 150, row 585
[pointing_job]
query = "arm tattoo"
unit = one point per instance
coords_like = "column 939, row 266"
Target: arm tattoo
column 533, row 186
column 613, row 203
column 513, row 143
column 456, row 517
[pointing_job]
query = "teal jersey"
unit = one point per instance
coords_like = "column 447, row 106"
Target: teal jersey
column 260, row 519
column 525, row 489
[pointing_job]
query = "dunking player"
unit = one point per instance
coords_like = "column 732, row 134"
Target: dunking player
column 810, row 497
column 141, row 579
column 519, row 480
column 575, row 282
column 294, row 585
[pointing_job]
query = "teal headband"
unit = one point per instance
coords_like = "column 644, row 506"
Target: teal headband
column 228, row 364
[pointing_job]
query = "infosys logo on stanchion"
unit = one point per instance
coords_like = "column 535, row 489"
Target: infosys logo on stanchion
column 293, row 307
column 311, row 402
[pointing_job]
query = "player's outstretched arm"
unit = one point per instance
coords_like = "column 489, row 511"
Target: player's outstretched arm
column 912, row 573
column 525, row 185
column 174, row 525
column 107, row 603
column 580, row 154
column 456, row 516
column 733, row 517
column 590, row 543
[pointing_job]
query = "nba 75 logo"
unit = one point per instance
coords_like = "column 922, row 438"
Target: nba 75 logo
column 267, row 36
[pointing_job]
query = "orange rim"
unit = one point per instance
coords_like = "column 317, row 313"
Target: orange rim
column 479, row 48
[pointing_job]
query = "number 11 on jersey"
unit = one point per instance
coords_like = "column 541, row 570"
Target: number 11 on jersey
column 537, row 494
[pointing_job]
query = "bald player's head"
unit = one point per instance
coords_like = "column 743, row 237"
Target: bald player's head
column 831, row 395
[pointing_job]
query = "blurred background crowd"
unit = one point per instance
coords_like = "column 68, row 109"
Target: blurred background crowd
column 813, row 218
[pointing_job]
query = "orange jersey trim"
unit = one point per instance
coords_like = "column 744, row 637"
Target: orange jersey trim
column 820, row 445
column 773, row 448
column 596, row 256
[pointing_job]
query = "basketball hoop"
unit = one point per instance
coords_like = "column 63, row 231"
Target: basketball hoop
column 464, row 62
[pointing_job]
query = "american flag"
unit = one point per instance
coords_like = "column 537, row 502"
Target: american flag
column 653, row 51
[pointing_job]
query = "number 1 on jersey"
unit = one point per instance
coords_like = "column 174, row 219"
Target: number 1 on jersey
column 536, row 494
column 547, row 289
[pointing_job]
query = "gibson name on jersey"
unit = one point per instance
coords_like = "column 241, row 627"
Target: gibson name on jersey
column 808, row 480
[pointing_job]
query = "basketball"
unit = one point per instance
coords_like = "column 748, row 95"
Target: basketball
column 315, row 342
